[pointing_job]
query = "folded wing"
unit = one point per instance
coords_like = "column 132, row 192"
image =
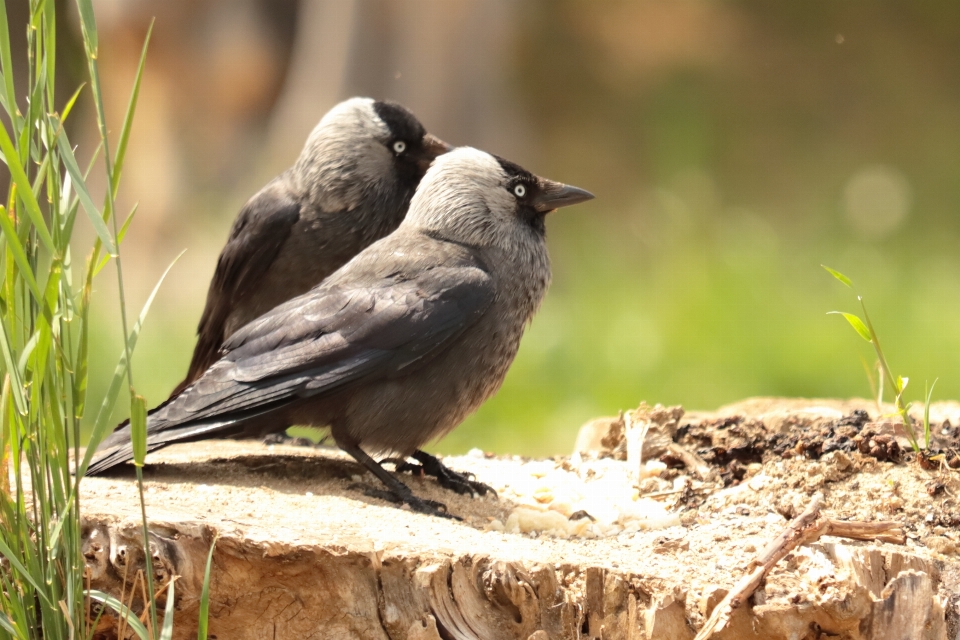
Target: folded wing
column 332, row 337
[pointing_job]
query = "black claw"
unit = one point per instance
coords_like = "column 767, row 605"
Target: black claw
column 462, row 483
column 402, row 466
column 420, row 505
column 411, row 468
column 431, row 507
column 372, row 492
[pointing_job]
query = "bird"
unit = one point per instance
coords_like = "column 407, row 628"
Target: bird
column 399, row 345
column 351, row 185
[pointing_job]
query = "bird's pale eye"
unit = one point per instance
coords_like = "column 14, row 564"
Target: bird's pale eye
column 399, row 146
column 519, row 191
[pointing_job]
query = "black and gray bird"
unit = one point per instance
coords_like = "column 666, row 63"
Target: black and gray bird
column 350, row 186
column 398, row 346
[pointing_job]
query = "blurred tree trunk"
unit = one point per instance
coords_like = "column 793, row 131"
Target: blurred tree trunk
column 447, row 61
column 315, row 76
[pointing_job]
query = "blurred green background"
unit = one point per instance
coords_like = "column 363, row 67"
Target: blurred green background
column 733, row 148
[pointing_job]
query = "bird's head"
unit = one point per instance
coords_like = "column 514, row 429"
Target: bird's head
column 473, row 197
column 365, row 151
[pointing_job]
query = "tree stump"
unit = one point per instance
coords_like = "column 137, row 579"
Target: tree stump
column 303, row 552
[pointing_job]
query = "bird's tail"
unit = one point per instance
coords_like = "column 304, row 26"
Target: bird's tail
column 117, row 448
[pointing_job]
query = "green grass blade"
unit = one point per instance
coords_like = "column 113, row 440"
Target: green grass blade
column 67, row 108
column 856, row 323
column 88, row 26
column 55, row 536
column 929, row 395
column 11, row 557
column 132, row 621
column 19, row 255
column 16, row 381
column 166, row 633
column 72, row 214
column 120, row 236
column 902, row 384
column 26, row 352
column 204, row 615
column 36, row 16
column 887, row 372
column 6, row 63
column 50, row 46
column 70, row 161
column 926, row 414
column 128, row 117
column 3, row 94
column 839, row 276
column 138, row 427
column 82, row 367
column 7, row 625
column 44, row 342
column 102, row 424
column 110, row 399
column 24, row 190
column 126, row 223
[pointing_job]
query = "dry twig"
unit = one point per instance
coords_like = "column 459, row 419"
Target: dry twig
column 804, row 529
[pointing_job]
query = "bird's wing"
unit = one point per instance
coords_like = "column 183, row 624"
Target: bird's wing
column 334, row 336
column 262, row 227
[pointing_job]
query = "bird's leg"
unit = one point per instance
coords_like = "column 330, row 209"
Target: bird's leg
column 462, row 483
column 399, row 491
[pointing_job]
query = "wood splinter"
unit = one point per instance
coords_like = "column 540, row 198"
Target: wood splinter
column 806, row 528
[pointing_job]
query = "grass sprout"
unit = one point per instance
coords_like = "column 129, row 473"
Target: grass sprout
column 897, row 384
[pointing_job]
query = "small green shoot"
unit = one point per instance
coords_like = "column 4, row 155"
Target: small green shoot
column 926, row 412
column 898, row 384
column 166, row 633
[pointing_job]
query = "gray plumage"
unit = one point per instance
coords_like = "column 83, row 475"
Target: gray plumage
column 401, row 344
column 350, row 186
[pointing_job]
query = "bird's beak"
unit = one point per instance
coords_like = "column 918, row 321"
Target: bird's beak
column 432, row 147
column 554, row 195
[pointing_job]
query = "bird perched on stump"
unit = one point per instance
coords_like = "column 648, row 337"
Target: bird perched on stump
column 350, row 186
column 398, row 346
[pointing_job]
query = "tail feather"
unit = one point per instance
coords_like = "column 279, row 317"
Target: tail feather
column 117, row 448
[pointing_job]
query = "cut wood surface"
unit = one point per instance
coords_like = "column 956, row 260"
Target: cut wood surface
column 574, row 547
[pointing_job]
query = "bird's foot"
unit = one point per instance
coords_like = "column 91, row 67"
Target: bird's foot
column 419, row 505
column 283, row 437
column 462, row 483
column 396, row 491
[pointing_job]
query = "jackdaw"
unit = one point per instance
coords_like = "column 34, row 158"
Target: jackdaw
column 350, row 186
column 398, row 346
